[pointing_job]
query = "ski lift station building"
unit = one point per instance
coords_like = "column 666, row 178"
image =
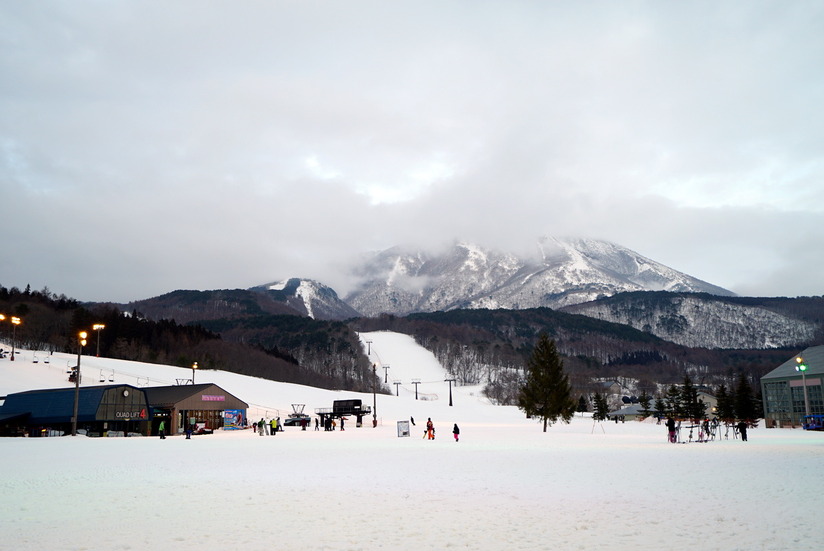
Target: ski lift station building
column 783, row 388
column 120, row 410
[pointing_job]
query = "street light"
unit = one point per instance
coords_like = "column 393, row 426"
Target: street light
column 97, row 327
column 802, row 367
column 81, row 342
column 194, row 366
column 15, row 321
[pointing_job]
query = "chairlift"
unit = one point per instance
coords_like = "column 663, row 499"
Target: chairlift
column 34, row 360
column 102, row 378
column 111, row 377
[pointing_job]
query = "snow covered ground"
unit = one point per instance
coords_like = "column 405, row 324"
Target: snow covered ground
column 505, row 485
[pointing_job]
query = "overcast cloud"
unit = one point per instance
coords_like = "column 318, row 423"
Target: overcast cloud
column 153, row 146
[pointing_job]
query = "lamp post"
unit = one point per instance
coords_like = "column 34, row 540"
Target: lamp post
column 194, row 366
column 97, row 327
column 15, row 321
column 374, row 396
column 802, row 367
column 81, row 342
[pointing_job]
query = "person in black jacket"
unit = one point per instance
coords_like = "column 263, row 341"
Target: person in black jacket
column 742, row 429
column 671, row 429
column 456, row 432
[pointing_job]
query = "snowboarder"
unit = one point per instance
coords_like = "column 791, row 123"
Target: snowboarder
column 456, row 432
column 261, row 427
column 430, row 429
column 274, row 427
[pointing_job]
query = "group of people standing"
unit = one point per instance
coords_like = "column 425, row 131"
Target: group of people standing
column 429, row 432
column 264, row 428
column 672, row 430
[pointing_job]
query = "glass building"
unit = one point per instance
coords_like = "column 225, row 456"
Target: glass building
column 790, row 392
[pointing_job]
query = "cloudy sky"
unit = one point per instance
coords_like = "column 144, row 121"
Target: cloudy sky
column 153, row 146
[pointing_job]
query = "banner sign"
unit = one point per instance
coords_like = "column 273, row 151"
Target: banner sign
column 212, row 398
column 233, row 419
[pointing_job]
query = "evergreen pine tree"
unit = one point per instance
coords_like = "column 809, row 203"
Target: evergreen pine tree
column 692, row 408
column 582, row 404
column 745, row 408
column 601, row 407
column 673, row 400
column 660, row 406
column 645, row 400
column 725, row 408
column 546, row 392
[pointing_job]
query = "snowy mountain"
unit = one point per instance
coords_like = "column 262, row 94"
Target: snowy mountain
column 563, row 272
column 700, row 320
column 309, row 297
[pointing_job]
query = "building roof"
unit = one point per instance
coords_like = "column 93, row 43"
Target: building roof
column 190, row 396
column 632, row 409
column 813, row 359
column 55, row 405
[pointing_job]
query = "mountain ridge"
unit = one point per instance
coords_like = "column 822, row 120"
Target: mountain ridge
column 564, row 271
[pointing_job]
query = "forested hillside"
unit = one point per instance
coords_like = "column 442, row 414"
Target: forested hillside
column 51, row 322
column 710, row 321
column 233, row 330
column 489, row 347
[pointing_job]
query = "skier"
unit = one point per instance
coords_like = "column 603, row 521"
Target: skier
column 261, row 427
column 274, row 427
column 162, row 430
column 456, row 432
column 742, row 428
column 671, row 428
column 430, row 428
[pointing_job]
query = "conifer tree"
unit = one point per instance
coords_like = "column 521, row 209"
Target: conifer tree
column 660, row 406
column 601, row 407
column 745, row 408
column 546, row 392
column 726, row 406
column 582, row 404
column 645, row 400
column 673, row 399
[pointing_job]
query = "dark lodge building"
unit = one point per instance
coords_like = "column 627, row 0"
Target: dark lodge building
column 207, row 406
column 120, row 410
